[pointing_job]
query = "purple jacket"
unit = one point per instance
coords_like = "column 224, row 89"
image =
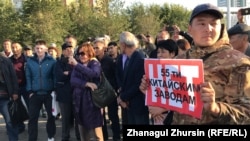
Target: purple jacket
column 87, row 114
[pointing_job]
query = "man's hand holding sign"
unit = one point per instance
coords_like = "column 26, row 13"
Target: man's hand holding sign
column 208, row 99
column 175, row 84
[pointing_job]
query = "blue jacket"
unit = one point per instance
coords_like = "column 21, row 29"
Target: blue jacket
column 40, row 76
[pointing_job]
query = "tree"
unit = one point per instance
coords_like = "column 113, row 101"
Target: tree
column 175, row 14
column 81, row 14
column 10, row 22
column 51, row 20
column 45, row 19
column 143, row 20
column 95, row 22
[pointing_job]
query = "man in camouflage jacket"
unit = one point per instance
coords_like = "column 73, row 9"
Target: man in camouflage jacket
column 226, row 91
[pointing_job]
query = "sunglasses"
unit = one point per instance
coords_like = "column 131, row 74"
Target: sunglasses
column 80, row 53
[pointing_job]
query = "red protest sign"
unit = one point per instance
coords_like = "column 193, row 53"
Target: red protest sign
column 174, row 84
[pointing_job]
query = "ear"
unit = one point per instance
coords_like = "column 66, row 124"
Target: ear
column 172, row 54
column 245, row 37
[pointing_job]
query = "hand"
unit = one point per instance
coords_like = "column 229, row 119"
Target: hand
column 176, row 35
column 159, row 118
column 156, row 111
column 144, row 38
column 208, row 98
column 72, row 60
column 121, row 103
column 240, row 16
column 15, row 97
column 91, row 85
column 144, row 85
column 124, row 104
column 176, row 28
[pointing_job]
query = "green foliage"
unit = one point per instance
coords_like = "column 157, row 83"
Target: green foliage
column 45, row 19
column 175, row 15
column 93, row 24
column 10, row 22
column 150, row 19
column 51, row 20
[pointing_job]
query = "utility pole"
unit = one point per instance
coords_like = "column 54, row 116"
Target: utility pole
column 228, row 14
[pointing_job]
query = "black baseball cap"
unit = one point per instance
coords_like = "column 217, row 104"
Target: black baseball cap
column 27, row 48
column 240, row 28
column 66, row 45
column 206, row 8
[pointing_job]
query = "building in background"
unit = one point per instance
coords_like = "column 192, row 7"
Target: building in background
column 234, row 3
column 230, row 11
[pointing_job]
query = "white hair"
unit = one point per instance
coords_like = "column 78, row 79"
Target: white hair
column 99, row 39
column 128, row 39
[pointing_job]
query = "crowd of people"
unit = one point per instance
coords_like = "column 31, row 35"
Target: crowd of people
column 35, row 72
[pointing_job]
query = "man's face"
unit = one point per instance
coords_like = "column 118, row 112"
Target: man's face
column 17, row 49
column 69, row 51
column 205, row 30
column 53, row 53
column 112, row 50
column 40, row 50
column 163, row 35
column 237, row 41
column 28, row 52
column 176, row 36
column 99, row 48
column 7, row 46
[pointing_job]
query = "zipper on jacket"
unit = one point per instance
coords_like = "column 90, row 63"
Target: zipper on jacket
column 40, row 72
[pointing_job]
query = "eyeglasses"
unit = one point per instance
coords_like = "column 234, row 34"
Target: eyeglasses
column 80, row 53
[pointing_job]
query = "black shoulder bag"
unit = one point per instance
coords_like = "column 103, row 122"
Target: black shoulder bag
column 104, row 94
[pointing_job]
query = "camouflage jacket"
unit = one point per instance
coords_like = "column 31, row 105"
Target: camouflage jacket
column 228, row 71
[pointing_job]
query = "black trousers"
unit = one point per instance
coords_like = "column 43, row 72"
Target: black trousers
column 66, row 110
column 35, row 105
column 115, row 122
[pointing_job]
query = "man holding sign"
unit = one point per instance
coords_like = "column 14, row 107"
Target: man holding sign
column 225, row 92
